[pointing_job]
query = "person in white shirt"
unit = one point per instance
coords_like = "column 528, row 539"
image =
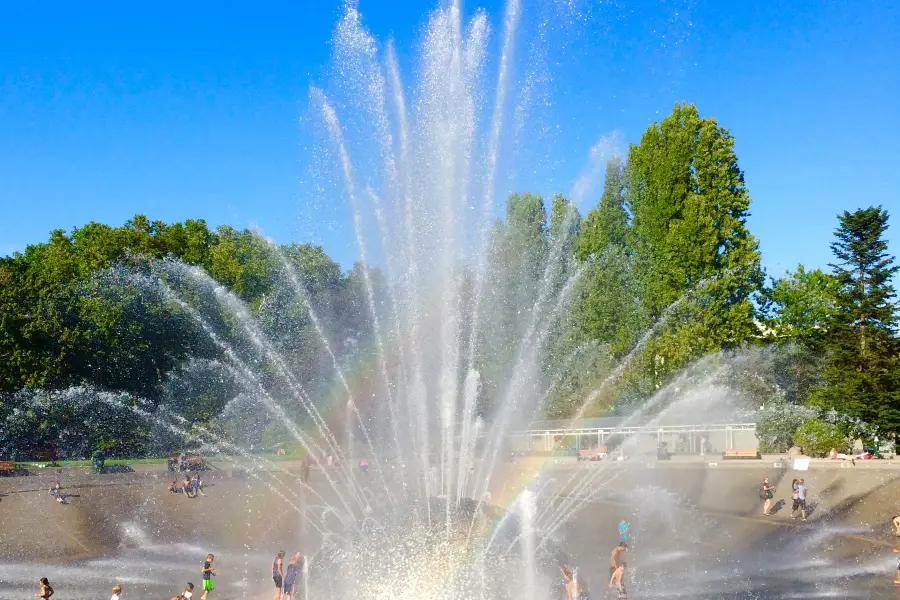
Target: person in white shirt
column 117, row 589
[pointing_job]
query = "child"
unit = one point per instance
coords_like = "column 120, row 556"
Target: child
column 197, row 485
column 46, row 590
column 290, row 576
column 187, row 593
column 117, row 589
column 208, row 571
column 623, row 531
column 616, row 580
column 188, row 488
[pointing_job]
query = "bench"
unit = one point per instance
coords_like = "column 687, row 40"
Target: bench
column 598, row 453
column 741, row 453
column 190, row 463
column 7, row 466
column 44, row 455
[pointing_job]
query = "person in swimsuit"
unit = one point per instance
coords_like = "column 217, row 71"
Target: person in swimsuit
column 207, row 571
column 617, row 580
column 46, row 590
column 575, row 588
column 290, row 576
column 615, row 558
column 278, row 573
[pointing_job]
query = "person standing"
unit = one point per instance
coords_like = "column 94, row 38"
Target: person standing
column 623, row 531
column 290, row 576
column 278, row 573
column 795, row 498
column 615, row 558
column 767, row 493
column 116, row 592
column 208, row 571
column 801, row 494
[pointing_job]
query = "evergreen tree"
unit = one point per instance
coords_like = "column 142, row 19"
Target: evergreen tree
column 861, row 377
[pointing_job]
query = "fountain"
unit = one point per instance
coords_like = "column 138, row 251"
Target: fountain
column 441, row 515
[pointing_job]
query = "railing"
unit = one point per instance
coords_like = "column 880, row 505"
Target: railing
column 601, row 434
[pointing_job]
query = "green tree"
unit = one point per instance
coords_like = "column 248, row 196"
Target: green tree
column 688, row 205
column 802, row 303
column 861, row 377
column 816, row 438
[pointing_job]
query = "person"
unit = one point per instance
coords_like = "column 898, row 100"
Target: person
column 835, row 455
column 278, row 573
column 897, row 576
column 116, row 591
column 56, row 492
column 188, row 488
column 173, row 487
column 197, row 485
column 187, row 593
column 801, row 495
column 615, row 558
column 290, row 576
column 623, row 531
column 46, row 589
column 896, row 523
column 208, row 571
column 767, row 493
column 364, row 465
column 306, row 465
column 330, row 460
column 617, row 580
column 575, row 589
column 795, row 499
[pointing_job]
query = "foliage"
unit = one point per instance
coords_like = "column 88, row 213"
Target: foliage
column 777, row 423
column 816, row 438
column 802, row 302
column 688, row 206
column 90, row 308
column 862, row 376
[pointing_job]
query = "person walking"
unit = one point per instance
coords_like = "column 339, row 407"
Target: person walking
column 278, row 573
column 767, row 493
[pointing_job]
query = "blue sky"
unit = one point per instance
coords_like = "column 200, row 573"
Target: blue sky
column 192, row 110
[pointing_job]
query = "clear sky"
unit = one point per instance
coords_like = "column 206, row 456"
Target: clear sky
column 192, row 109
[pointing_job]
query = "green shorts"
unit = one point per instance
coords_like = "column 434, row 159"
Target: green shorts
column 207, row 585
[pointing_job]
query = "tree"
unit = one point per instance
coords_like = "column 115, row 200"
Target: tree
column 802, row 302
column 608, row 223
column 688, row 205
column 862, row 376
column 816, row 438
